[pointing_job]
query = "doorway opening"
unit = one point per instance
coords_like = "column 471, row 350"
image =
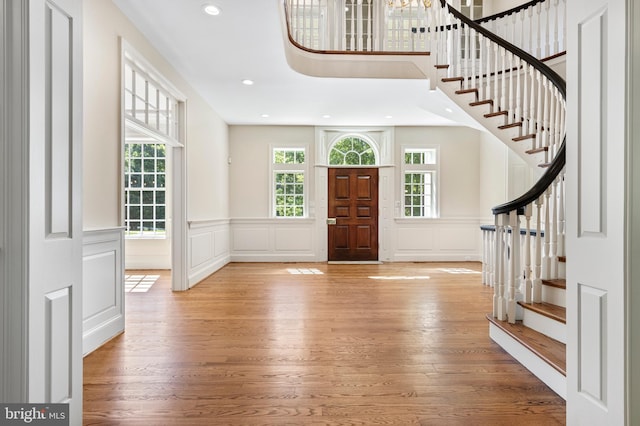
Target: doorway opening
column 154, row 182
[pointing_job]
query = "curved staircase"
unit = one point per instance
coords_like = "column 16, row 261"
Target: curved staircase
column 521, row 100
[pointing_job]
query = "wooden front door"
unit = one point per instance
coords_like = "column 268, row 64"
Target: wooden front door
column 353, row 214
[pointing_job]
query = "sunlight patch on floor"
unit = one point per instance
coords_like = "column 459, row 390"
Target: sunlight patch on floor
column 459, row 271
column 139, row 283
column 416, row 277
column 305, row 271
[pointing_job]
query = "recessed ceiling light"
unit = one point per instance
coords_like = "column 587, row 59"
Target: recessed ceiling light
column 247, row 82
column 448, row 109
column 388, row 116
column 211, row 9
column 326, row 116
column 265, row 116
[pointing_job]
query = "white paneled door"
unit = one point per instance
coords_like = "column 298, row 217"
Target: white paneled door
column 596, row 212
column 54, row 204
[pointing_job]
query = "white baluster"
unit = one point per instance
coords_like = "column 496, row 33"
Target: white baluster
column 458, row 40
column 530, row 24
column 487, row 92
column 546, row 263
column 481, row 79
column 547, row 30
column 537, row 281
column 518, row 101
column 496, row 76
column 471, row 59
column 538, row 20
column 514, row 267
column 503, row 57
column 528, row 283
column 554, row 230
column 556, row 43
column 545, row 115
column 539, row 105
column 511, row 106
column 499, row 299
column 525, row 98
column 533, row 128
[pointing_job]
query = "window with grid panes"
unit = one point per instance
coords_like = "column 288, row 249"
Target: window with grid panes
column 145, row 189
column 289, row 198
column 420, row 172
column 352, row 151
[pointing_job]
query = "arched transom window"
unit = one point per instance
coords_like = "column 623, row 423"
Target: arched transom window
column 352, row 151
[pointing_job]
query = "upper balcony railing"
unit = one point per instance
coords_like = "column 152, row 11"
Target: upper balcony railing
column 411, row 25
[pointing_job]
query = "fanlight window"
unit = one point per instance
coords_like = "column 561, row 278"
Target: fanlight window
column 352, row 151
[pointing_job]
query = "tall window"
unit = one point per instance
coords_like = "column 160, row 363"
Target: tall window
column 145, row 189
column 289, row 194
column 352, row 151
column 151, row 122
column 420, row 173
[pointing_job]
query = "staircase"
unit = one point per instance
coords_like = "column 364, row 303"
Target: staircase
column 518, row 98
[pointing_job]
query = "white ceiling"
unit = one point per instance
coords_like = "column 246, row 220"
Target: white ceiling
column 214, row 54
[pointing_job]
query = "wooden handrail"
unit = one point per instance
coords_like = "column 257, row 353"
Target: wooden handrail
column 508, row 12
column 559, row 160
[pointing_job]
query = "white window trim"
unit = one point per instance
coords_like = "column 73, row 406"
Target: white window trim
column 301, row 168
column 404, row 168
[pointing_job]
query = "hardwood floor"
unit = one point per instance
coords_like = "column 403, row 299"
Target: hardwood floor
column 255, row 344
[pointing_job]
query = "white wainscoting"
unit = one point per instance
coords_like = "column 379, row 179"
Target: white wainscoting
column 208, row 248
column 437, row 240
column 103, row 287
column 274, row 240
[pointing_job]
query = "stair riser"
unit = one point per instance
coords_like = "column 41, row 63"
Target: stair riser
column 555, row 296
column 545, row 325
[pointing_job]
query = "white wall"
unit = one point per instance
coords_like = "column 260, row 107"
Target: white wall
column 249, row 181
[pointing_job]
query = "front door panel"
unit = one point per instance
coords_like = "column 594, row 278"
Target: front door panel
column 353, row 203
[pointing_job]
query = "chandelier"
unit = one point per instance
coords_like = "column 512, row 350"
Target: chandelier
column 401, row 4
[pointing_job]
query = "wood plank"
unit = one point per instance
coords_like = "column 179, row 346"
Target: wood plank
column 255, row 344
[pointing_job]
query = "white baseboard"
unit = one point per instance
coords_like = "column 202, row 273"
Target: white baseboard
column 197, row 275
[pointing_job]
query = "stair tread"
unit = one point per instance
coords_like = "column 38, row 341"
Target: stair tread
column 537, row 150
column 562, row 259
column 524, row 137
column 463, row 91
column 441, row 67
column 450, row 79
column 496, row 114
column 549, row 310
column 557, row 283
column 510, row 125
column 550, row 350
column 483, row 102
